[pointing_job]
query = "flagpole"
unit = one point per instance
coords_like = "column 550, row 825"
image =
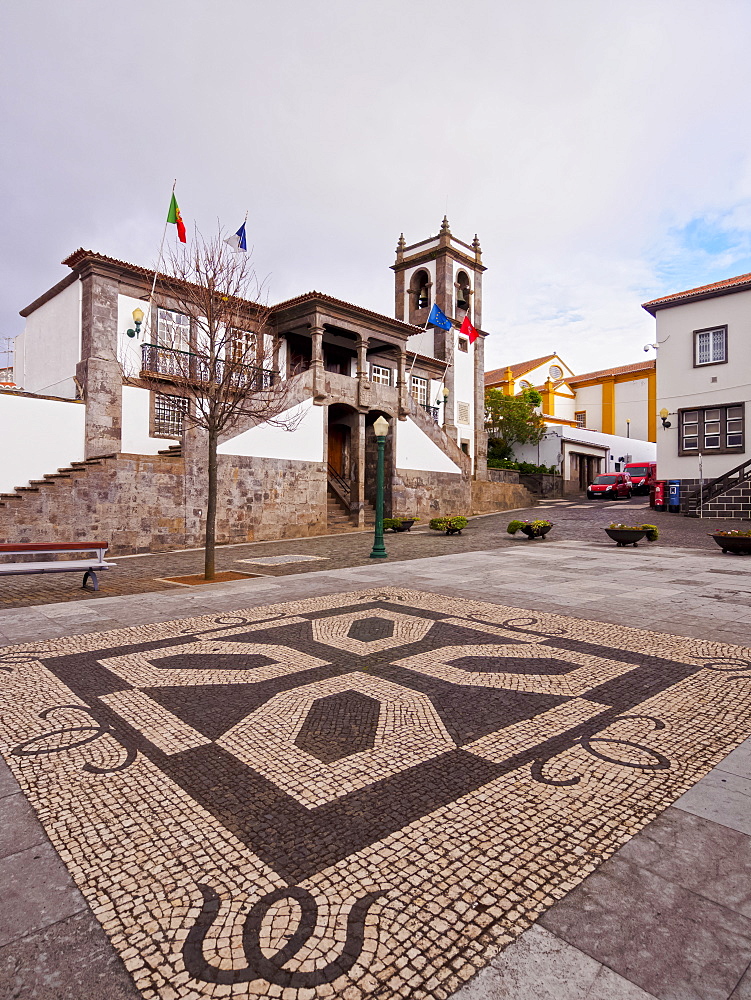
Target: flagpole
column 158, row 262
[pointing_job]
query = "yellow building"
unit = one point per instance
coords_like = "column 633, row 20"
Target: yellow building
column 620, row 401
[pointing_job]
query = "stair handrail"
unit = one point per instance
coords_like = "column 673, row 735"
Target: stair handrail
column 339, row 485
column 721, row 484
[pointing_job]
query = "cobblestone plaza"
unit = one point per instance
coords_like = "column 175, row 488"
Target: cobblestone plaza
column 366, row 794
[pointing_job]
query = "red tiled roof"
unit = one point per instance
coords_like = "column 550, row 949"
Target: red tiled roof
column 78, row 256
column 702, row 292
column 647, row 365
column 499, row 374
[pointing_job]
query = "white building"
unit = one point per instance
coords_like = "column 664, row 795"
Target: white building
column 703, row 389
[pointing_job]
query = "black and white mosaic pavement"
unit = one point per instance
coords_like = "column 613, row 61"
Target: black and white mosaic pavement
column 364, row 795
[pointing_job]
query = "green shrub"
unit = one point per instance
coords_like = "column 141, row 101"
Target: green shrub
column 455, row 523
column 391, row 522
column 515, row 526
column 525, row 468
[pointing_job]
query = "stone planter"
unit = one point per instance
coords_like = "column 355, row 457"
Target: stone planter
column 531, row 532
column 737, row 544
column 405, row 525
column 625, row 536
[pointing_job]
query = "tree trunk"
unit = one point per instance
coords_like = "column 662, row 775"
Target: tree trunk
column 209, row 563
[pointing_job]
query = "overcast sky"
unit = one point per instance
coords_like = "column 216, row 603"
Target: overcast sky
column 600, row 150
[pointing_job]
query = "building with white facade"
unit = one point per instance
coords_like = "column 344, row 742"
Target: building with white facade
column 102, row 399
column 703, row 388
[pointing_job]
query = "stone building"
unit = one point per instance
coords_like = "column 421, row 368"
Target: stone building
column 106, row 448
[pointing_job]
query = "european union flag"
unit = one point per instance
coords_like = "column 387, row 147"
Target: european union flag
column 438, row 318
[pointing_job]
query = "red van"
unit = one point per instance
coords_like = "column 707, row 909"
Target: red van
column 643, row 475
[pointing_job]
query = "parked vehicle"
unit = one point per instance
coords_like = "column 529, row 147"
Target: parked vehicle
column 612, row 486
column 643, row 475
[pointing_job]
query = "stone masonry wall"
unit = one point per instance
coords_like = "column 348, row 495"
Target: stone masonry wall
column 146, row 503
column 430, row 494
column 735, row 504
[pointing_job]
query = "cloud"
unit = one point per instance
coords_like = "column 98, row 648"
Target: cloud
column 596, row 149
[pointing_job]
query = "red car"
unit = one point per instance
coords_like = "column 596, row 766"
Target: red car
column 612, row 486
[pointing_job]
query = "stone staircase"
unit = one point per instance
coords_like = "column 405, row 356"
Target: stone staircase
column 338, row 517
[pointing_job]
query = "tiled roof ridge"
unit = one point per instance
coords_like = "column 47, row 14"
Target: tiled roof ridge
column 81, row 254
column 521, row 368
column 645, row 365
column 740, row 279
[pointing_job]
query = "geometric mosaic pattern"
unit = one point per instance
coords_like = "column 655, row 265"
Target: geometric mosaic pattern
column 365, row 795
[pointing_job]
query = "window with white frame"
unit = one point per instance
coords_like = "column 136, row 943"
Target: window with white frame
column 711, row 346
column 581, row 418
column 169, row 412
column 711, row 429
column 242, row 344
column 419, row 387
column 173, row 330
column 380, row 375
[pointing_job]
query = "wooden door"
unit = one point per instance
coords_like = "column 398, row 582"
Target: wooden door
column 338, row 448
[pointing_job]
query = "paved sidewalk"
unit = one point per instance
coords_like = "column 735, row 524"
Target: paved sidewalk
column 667, row 916
column 573, row 521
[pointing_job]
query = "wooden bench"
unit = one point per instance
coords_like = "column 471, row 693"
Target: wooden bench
column 89, row 566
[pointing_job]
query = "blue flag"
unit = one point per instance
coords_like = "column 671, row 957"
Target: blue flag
column 438, row 318
column 237, row 242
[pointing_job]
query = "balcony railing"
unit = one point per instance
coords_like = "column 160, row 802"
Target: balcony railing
column 184, row 366
column 431, row 410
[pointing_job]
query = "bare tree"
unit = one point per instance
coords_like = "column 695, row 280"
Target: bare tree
column 211, row 339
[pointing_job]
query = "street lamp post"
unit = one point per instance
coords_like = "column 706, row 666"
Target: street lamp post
column 381, row 428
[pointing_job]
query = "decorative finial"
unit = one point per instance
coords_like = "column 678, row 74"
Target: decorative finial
column 476, row 247
column 445, row 228
column 400, row 247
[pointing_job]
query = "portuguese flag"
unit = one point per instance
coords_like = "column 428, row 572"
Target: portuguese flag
column 174, row 216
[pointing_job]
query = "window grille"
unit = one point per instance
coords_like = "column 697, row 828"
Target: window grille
column 581, row 418
column 710, row 346
column 169, row 412
column 555, row 372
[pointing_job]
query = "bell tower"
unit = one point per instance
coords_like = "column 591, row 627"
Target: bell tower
column 447, row 272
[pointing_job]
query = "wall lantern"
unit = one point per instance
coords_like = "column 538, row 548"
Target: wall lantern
column 137, row 320
column 664, row 414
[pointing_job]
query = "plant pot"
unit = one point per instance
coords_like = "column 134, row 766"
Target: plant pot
column 405, row 525
column 737, row 544
column 453, row 531
column 625, row 536
column 531, row 532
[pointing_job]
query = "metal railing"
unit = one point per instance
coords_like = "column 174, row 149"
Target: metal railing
column 728, row 480
column 431, row 410
column 185, row 366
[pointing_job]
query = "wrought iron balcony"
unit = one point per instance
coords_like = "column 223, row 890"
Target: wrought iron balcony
column 432, row 410
column 183, row 366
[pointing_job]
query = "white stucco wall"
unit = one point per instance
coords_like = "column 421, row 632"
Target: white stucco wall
column 464, row 391
column 631, row 404
column 565, row 407
column 303, row 444
column 39, row 436
column 415, row 450
column 589, row 398
column 129, row 348
column 136, row 438
column 681, row 385
column 48, row 350
column 588, row 443
column 422, row 343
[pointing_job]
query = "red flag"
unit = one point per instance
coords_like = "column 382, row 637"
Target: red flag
column 467, row 329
